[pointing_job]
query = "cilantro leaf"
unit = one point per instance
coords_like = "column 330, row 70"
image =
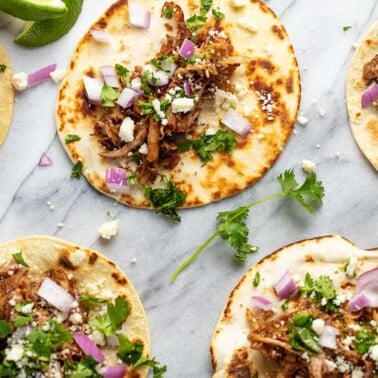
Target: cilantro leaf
column 195, row 22
column 85, row 368
column 103, row 324
column 71, row 138
column 122, row 72
column 108, row 96
column 166, row 200
column 232, row 227
column 77, row 170
column 345, row 28
column 167, row 12
column 21, row 320
column 256, row 279
column 87, row 298
column 20, row 259
column 218, row 14
column 364, row 339
column 5, row 329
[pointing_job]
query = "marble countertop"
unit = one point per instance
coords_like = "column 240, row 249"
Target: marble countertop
column 182, row 316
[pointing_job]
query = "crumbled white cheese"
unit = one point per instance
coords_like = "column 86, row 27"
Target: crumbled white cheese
column 358, row 373
column 27, row 309
column 322, row 111
column 348, row 341
column 58, row 75
column 20, row 81
column 331, row 366
column 224, row 100
column 246, row 24
column 238, row 3
column 126, row 131
column 318, row 326
column 342, row 365
column 182, row 105
column 373, row 353
column 12, row 302
column 133, row 260
column 323, row 301
column 308, row 166
column 77, row 257
column 98, row 337
column 302, row 120
column 351, row 267
column 109, row 229
column 60, row 225
column 14, row 353
column 75, row 318
column 210, row 131
column 136, row 83
column 339, row 300
column 143, row 149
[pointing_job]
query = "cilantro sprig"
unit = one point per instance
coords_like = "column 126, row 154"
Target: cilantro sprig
column 233, row 229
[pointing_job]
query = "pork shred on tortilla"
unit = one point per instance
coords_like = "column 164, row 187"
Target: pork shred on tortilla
column 196, row 77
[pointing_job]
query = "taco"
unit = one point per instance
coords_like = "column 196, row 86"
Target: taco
column 362, row 95
column 6, row 93
column 68, row 311
column 307, row 310
column 205, row 94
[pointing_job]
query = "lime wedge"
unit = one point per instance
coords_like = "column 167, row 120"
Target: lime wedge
column 40, row 33
column 34, row 10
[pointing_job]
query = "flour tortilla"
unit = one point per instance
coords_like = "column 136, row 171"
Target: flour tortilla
column 363, row 122
column 256, row 33
column 95, row 274
column 6, row 95
column 318, row 256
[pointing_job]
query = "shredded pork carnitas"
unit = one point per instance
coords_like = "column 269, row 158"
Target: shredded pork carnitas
column 271, row 335
column 156, row 137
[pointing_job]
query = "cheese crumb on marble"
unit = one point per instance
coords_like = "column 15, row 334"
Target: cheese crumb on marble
column 58, row 75
column 126, row 131
column 109, row 229
column 322, row 111
column 302, row 120
column 308, row 166
column 20, row 81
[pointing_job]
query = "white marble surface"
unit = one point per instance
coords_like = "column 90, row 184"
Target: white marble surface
column 183, row 315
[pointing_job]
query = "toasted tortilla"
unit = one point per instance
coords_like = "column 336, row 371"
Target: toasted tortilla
column 257, row 34
column 95, row 275
column 363, row 122
column 230, row 351
column 6, row 94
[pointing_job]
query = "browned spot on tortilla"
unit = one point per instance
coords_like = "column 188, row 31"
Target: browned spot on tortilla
column 279, row 81
column 267, row 65
column 358, row 114
column 309, row 259
column 278, row 32
column 93, row 258
column 289, row 84
column 372, row 129
column 119, row 279
column 111, row 263
column 239, row 366
column 64, row 260
column 347, row 285
column 168, row 27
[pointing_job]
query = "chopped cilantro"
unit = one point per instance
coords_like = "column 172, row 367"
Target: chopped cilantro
column 122, row 72
column 256, row 279
column 195, row 22
column 285, row 305
column 77, row 170
column 364, row 339
column 345, row 28
column 3, row 67
column 5, row 329
column 206, row 145
column 146, row 108
column 132, row 179
column 205, row 6
column 71, row 138
column 21, row 320
column 83, row 369
column 20, row 259
column 90, row 299
column 108, row 96
column 218, row 14
column 167, row 12
column 166, row 200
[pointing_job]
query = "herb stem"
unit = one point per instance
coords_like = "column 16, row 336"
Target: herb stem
column 198, row 251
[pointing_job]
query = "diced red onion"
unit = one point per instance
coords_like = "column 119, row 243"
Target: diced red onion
column 100, row 36
column 358, row 302
column 261, row 302
column 234, row 121
column 127, row 97
column 285, row 286
column 45, row 161
column 328, row 338
column 110, row 76
column 187, row 88
column 370, row 289
column 88, row 346
column 139, row 15
column 41, row 75
column 156, row 78
column 117, row 371
column 55, row 295
column 187, row 48
column 365, row 277
column 370, row 95
column 116, row 181
column 93, row 87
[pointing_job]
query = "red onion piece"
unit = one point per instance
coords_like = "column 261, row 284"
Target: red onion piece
column 261, row 302
column 93, row 87
column 139, row 15
column 236, row 122
column 285, row 286
column 100, row 36
column 358, row 302
column 110, row 76
column 117, row 371
column 54, row 294
column 187, row 48
column 116, row 181
column 127, row 97
column 365, row 277
column 187, row 88
column 328, row 338
column 88, row 346
column 41, row 75
column 370, row 289
column 45, row 161
column 370, row 95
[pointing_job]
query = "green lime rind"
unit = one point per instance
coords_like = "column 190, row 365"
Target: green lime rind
column 33, row 10
column 40, row 33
